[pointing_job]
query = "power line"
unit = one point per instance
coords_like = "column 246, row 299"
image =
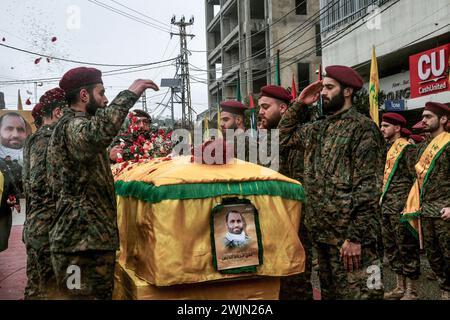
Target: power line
column 127, row 15
column 165, row 25
column 84, row 62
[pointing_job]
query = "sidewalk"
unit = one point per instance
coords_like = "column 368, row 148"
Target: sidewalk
column 13, row 276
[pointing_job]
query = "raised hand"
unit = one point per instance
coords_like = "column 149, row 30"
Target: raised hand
column 140, row 85
column 311, row 93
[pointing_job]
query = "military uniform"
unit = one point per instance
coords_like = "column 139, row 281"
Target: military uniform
column 344, row 157
column 401, row 248
column 39, row 212
column 299, row 287
column 85, row 230
column 436, row 231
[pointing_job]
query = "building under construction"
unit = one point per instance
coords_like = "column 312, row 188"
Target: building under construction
column 243, row 38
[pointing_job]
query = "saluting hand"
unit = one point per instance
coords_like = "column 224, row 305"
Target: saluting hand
column 140, row 85
column 311, row 93
column 445, row 214
column 351, row 255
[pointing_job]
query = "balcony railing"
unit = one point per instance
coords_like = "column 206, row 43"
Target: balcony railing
column 336, row 13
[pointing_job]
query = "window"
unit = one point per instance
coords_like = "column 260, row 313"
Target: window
column 300, row 7
column 303, row 76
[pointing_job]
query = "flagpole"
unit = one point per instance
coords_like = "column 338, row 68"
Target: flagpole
column 320, row 96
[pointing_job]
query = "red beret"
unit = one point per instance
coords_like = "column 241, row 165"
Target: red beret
column 52, row 98
column 394, row 118
column 233, row 106
column 405, row 132
column 437, row 108
column 417, row 138
column 37, row 112
column 80, row 77
column 419, row 125
column 345, row 75
column 276, row 92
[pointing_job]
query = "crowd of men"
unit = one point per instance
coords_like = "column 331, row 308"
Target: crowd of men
column 369, row 192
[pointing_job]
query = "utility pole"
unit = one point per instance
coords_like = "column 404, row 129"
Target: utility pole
column 183, row 70
column 144, row 102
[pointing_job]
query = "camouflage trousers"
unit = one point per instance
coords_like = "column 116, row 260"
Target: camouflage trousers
column 436, row 235
column 400, row 247
column 298, row 287
column 5, row 229
column 41, row 283
column 85, row 275
column 337, row 284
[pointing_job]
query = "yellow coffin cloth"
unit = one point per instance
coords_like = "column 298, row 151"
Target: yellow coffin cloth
column 164, row 210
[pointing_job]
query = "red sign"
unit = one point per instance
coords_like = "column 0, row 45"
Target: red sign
column 429, row 71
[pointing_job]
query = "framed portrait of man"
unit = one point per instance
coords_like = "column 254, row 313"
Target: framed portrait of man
column 236, row 236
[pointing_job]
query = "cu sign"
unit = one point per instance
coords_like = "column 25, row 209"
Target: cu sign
column 433, row 64
column 428, row 71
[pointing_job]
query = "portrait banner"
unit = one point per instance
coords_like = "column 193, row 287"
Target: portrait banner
column 236, row 236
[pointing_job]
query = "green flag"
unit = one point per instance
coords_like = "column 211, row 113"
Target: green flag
column 277, row 70
column 238, row 90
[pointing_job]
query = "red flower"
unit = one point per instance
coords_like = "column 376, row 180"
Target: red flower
column 140, row 139
column 160, row 132
column 133, row 149
column 37, row 60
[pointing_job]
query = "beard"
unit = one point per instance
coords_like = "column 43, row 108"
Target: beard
column 92, row 106
column 431, row 128
column 334, row 104
column 271, row 123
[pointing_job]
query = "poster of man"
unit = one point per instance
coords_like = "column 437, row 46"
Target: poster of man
column 235, row 237
column 14, row 129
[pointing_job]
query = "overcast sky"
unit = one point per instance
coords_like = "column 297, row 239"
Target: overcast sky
column 103, row 37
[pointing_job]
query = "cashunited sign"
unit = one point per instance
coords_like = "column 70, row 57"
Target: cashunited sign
column 429, row 71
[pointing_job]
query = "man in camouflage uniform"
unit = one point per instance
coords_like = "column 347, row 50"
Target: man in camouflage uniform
column 344, row 157
column 40, row 209
column 435, row 198
column 232, row 126
column 273, row 102
column 84, row 236
column 401, row 248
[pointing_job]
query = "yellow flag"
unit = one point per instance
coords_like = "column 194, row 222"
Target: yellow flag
column 374, row 88
column 19, row 102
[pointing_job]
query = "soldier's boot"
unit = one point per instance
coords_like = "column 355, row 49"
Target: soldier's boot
column 411, row 290
column 398, row 292
column 445, row 295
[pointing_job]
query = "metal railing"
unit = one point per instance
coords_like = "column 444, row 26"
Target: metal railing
column 337, row 13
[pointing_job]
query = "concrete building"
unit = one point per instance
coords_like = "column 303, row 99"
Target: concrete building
column 402, row 33
column 243, row 37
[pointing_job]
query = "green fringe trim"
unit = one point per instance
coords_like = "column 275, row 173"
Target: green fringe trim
column 430, row 169
column 410, row 216
column 150, row 193
column 217, row 209
column 412, row 230
column 388, row 182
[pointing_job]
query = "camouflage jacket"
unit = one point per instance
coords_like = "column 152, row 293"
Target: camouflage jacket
column 343, row 166
column 394, row 200
column 436, row 192
column 40, row 206
column 80, row 175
